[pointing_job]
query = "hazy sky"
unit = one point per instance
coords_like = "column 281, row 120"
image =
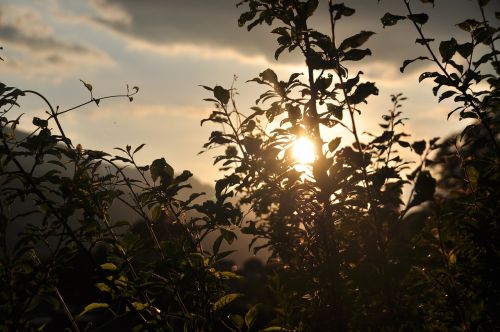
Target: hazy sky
column 169, row 47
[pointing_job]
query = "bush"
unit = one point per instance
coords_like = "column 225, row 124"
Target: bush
column 359, row 238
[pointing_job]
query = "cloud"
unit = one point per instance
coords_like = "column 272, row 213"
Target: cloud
column 32, row 49
column 110, row 12
column 166, row 24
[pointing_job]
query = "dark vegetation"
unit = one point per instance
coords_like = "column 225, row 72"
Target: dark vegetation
column 349, row 251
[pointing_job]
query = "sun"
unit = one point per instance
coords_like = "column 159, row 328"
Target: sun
column 303, row 151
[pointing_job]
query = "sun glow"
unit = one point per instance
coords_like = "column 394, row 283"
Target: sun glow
column 303, row 151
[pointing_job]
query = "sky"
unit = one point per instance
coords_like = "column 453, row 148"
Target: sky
column 169, row 47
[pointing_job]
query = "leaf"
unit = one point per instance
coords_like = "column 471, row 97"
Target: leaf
column 160, row 169
column 356, row 54
column 446, row 94
column 427, row 74
column 108, row 267
column 40, row 122
column 390, row 19
column 156, row 213
column 447, row 49
column 92, row 307
column 472, row 176
column 407, row 62
column 341, row 10
column 452, row 258
column 485, row 58
column 336, row 110
column 311, row 7
column 425, row 186
column 251, row 315
column 87, row 85
column 356, row 41
column 225, row 300
column 334, row 144
column 386, row 136
column 362, row 92
column 468, row 25
column 465, row 49
column 279, row 50
column 229, row 236
column 269, row 75
column 424, row 41
column 207, row 88
column 272, row 329
column 404, row 144
column 221, row 94
column 103, row 287
column 246, row 17
column 459, row 68
column 137, row 149
column 421, row 18
column 237, row 320
column 140, row 306
column 216, row 244
column 419, row 146
column 483, row 34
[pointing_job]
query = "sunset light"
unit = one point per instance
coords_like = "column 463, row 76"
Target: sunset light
column 304, row 165
column 303, row 150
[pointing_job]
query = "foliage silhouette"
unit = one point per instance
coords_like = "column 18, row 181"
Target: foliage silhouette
column 360, row 239
column 354, row 256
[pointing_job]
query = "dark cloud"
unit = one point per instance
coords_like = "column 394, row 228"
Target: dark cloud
column 214, row 23
column 200, row 22
column 15, row 35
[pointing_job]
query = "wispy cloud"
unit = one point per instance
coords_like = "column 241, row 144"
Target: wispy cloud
column 32, row 48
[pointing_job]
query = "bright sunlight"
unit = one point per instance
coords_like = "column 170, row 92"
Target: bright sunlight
column 303, row 150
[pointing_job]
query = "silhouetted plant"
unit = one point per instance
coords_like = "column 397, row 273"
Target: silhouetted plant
column 353, row 255
column 359, row 237
column 149, row 275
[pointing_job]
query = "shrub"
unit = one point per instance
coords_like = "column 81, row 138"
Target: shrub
column 359, row 238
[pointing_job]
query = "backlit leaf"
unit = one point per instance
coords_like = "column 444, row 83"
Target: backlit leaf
column 108, row 266
column 251, row 315
column 94, row 306
column 225, row 300
column 334, row 144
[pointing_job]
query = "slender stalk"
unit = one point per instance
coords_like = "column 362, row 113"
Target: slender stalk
column 53, row 115
column 355, row 133
column 66, row 310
